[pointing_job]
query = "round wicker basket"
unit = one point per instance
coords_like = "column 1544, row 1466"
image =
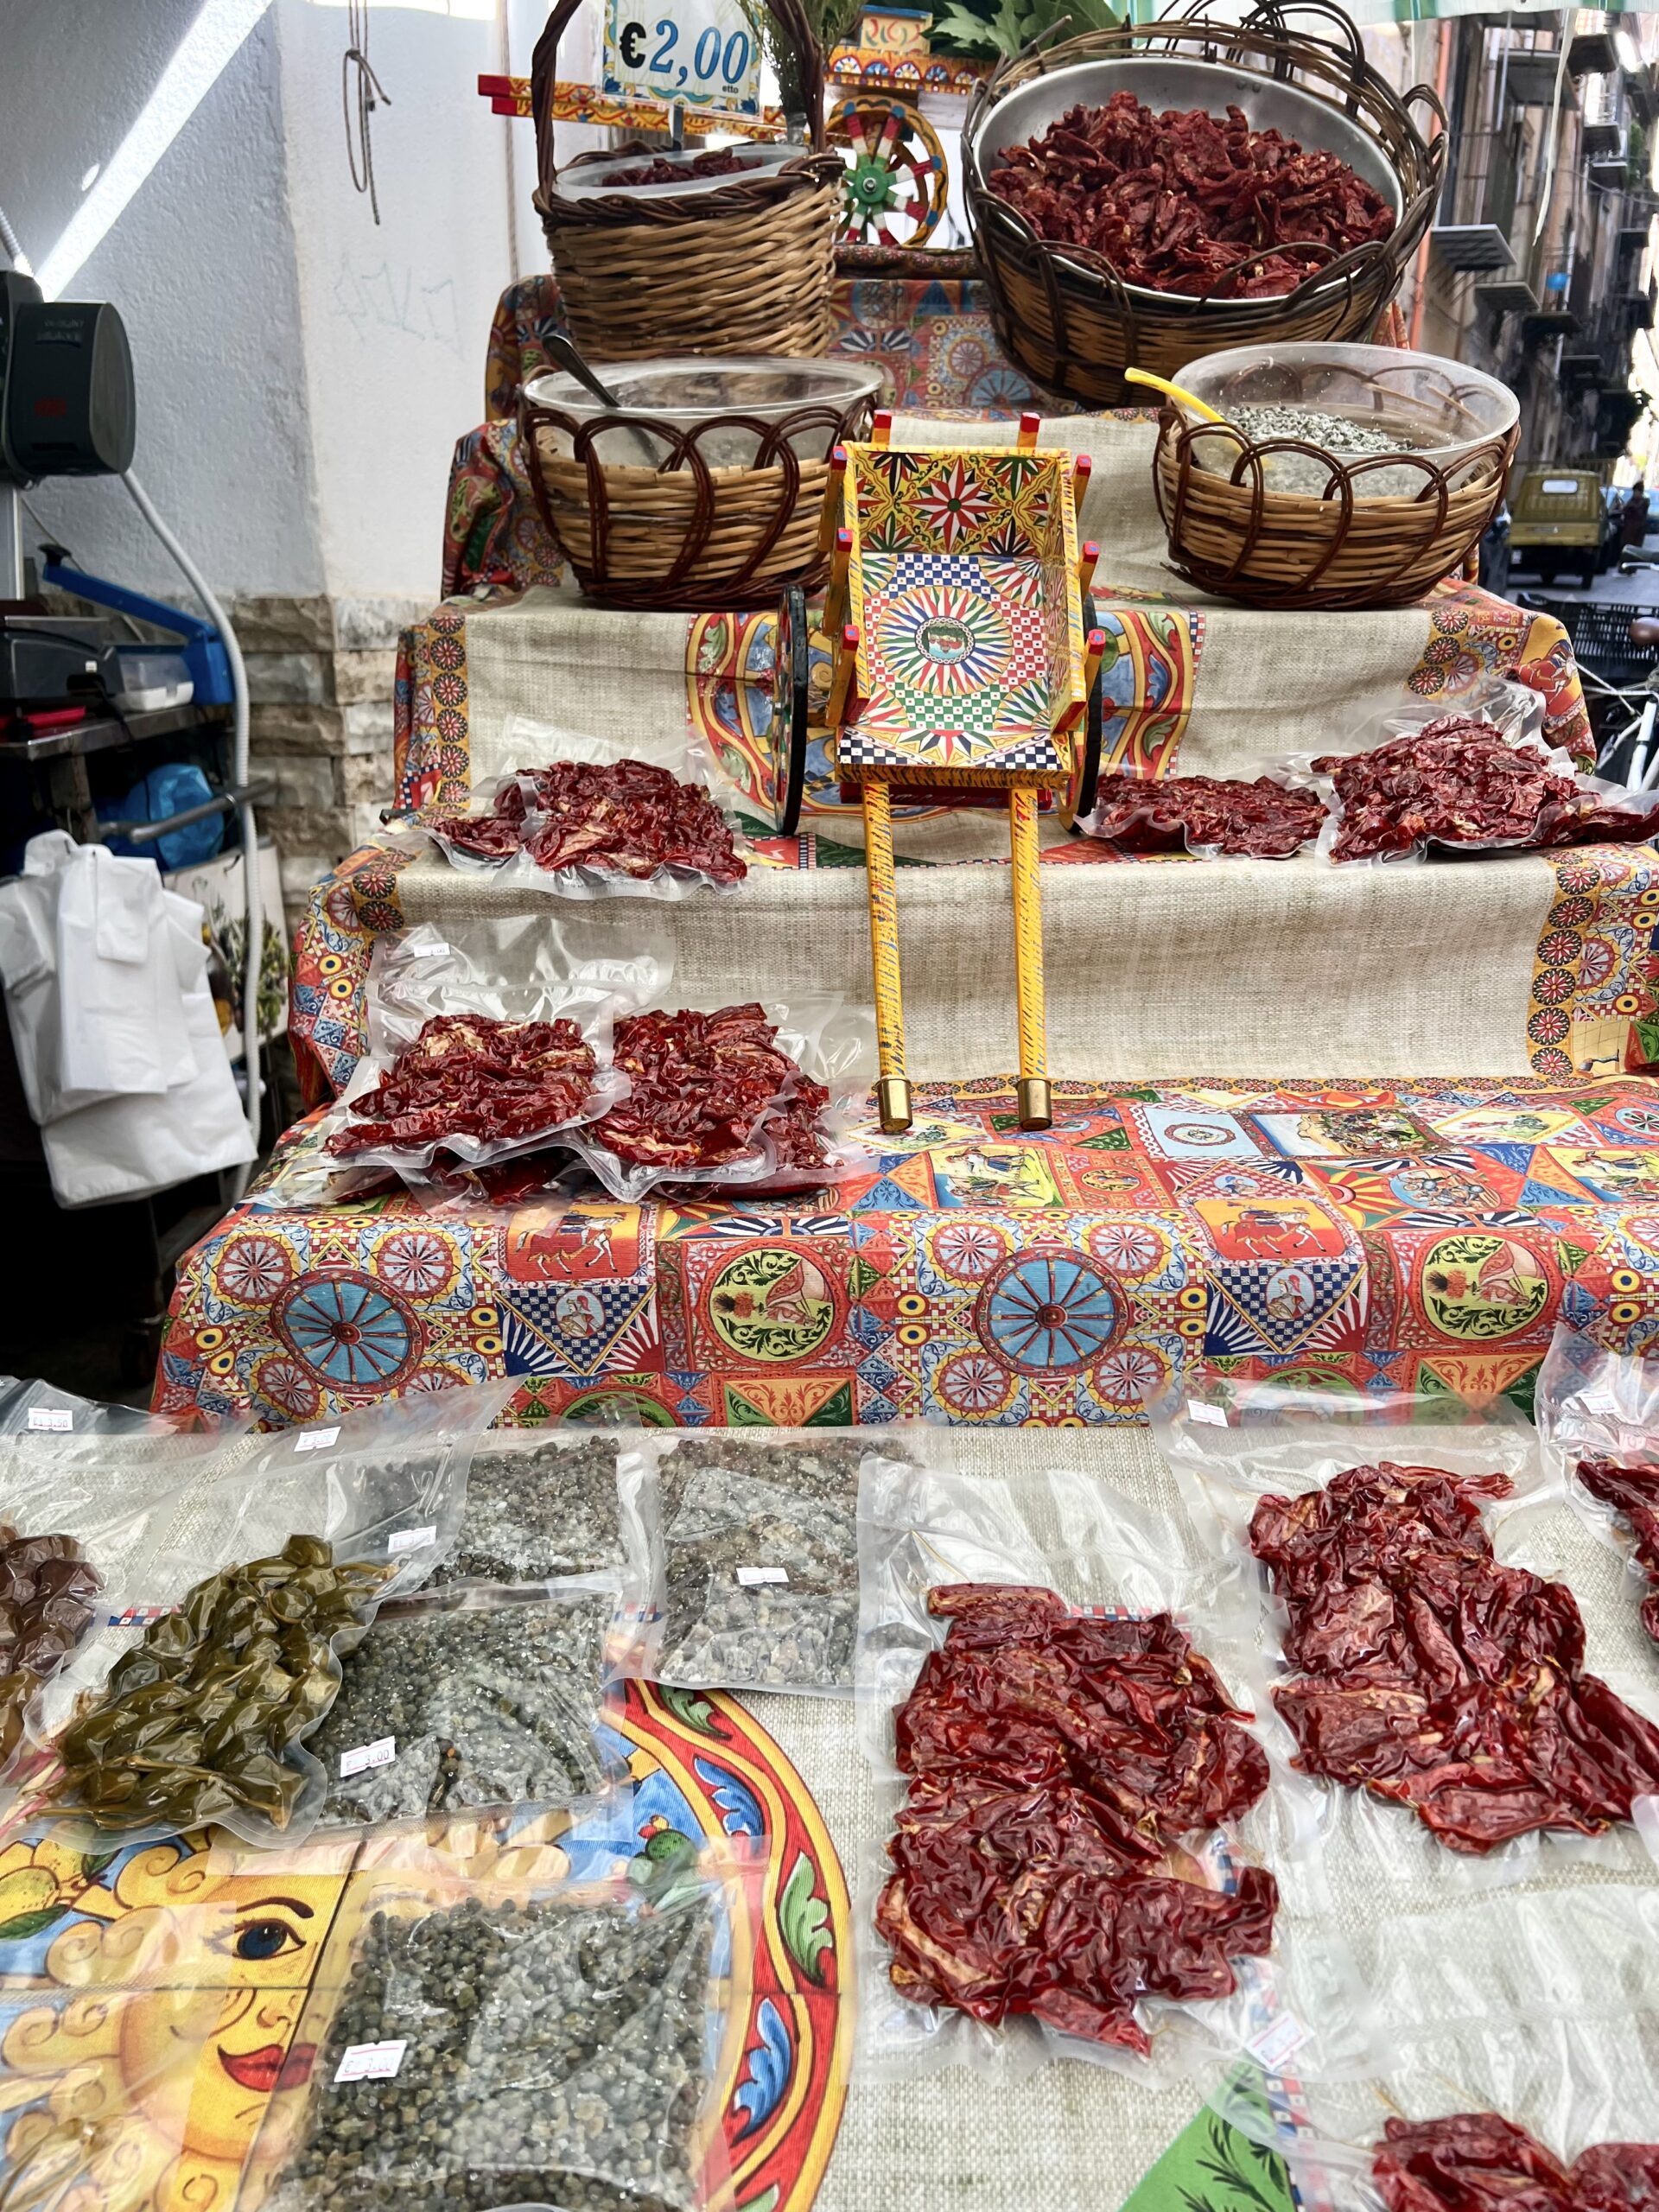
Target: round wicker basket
column 743, row 268
column 686, row 535
column 1064, row 312
column 1230, row 535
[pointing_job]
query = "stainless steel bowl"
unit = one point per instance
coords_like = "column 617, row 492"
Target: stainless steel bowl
column 1166, row 81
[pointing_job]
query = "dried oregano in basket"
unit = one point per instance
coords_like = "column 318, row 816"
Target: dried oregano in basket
column 759, row 1546
column 548, row 2053
column 442, row 1708
column 536, row 1514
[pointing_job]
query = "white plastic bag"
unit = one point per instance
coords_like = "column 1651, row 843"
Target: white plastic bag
column 1598, row 1415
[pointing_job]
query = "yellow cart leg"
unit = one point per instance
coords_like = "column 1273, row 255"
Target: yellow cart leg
column 1036, row 1111
column 892, row 1090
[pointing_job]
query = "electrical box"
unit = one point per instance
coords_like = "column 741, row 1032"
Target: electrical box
column 69, row 401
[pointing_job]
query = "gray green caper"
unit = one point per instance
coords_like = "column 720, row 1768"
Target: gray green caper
column 532, row 1517
column 727, row 1506
column 485, row 1706
column 555, row 2054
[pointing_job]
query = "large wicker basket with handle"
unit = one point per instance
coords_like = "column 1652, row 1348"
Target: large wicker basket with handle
column 743, row 268
column 1069, row 316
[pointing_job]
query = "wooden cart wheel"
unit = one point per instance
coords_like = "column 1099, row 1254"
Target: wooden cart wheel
column 896, row 185
column 1078, row 800
column 792, row 664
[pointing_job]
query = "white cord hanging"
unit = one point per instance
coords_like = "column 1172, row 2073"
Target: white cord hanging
column 359, row 100
column 1554, row 119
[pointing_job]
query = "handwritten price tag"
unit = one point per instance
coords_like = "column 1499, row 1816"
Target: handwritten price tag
column 698, row 55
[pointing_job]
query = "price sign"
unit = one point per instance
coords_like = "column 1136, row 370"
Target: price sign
column 698, row 55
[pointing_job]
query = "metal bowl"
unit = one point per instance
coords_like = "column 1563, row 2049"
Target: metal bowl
column 1166, row 80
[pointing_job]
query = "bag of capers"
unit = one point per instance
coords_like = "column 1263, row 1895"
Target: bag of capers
column 543, row 1504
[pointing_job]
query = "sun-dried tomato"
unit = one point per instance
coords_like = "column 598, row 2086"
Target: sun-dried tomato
column 1430, row 1674
column 1056, row 1758
column 1177, row 202
column 1178, row 813
column 1475, row 2162
column 469, row 1075
column 1455, row 782
column 701, row 1086
column 624, row 818
column 1633, row 1492
column 719, row 160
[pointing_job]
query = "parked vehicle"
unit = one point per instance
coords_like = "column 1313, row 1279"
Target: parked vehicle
column 1560, row 520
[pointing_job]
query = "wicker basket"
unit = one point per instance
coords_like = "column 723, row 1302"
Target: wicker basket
column 745, row 269
column 1066, row 315
column 1231, row 535
column 684, row 534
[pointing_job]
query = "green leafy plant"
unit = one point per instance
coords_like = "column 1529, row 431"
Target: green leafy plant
column 831, row 22
column 1002, row 27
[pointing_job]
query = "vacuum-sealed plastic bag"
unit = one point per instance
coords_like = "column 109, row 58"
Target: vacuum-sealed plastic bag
column 1065, row 1868
column 478, row 2045
column 1395, row 1568
column 597, row 821
column 452, row 1704
column 1265, row 817
column 1598, row 1414
column 756, row 1534
column 489, row 1040
column 271, row 1567
column 750, row 1096
column 1521, row 2046
column 543, row 1504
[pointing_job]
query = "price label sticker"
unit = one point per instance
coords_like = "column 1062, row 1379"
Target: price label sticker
column 411, row 1540
column 750, row 1578
column 700, row 54
column 58, row 1419
column 1278, row 2041
column 1213, row 1416
column 368, row 1755
column 371, row 2062
column 317, row 1440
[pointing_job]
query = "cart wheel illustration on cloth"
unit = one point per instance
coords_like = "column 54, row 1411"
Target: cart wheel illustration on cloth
column 1077, row 801
column 791, row 663
column 895, row 178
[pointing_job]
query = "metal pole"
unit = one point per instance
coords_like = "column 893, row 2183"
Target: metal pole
column 11, row 542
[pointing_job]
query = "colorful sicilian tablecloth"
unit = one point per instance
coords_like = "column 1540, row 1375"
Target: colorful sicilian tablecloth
column 1434, row 1229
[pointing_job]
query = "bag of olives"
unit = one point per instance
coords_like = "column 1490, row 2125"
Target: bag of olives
column 756, row 1557
column 454, row 1703
column 480, row 2045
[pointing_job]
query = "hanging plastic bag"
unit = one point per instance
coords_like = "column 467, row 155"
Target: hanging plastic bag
column 1065, row 1870
column 1534, row 2012
column 451, row 1704
column 760, row 1098
column 434, row 999
column 754, row 1535
column 1598, row 1414
column 484, row 2043
column 275, row 1563
column 1393, row 1579
column 635, row 828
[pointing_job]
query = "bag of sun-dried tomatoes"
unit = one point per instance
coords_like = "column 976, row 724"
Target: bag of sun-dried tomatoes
column 1075, row 1798
column 1416, row 1611
column 760, row 1099
column 1597, row 1414
column 489, row 1040
column 1519, row 2065
column 1266, row 817
column 598, row 818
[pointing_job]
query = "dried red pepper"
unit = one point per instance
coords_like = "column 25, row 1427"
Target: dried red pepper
column 1455, row 782
column 1633, row 1492
column 1475, row 2162
column 1430, row 1674
column 1177, row 201
column 701, row 1086
column 1180, row 813
column 1056, row 1758
column 624, row 818
column 469, row 1075
column 720, row 161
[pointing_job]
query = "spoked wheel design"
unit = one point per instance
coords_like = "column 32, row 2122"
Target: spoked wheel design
column 792, row 664
column 1078, row 800
column 895, row 182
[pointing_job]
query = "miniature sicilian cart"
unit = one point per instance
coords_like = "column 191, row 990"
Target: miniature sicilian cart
column 965, row 665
